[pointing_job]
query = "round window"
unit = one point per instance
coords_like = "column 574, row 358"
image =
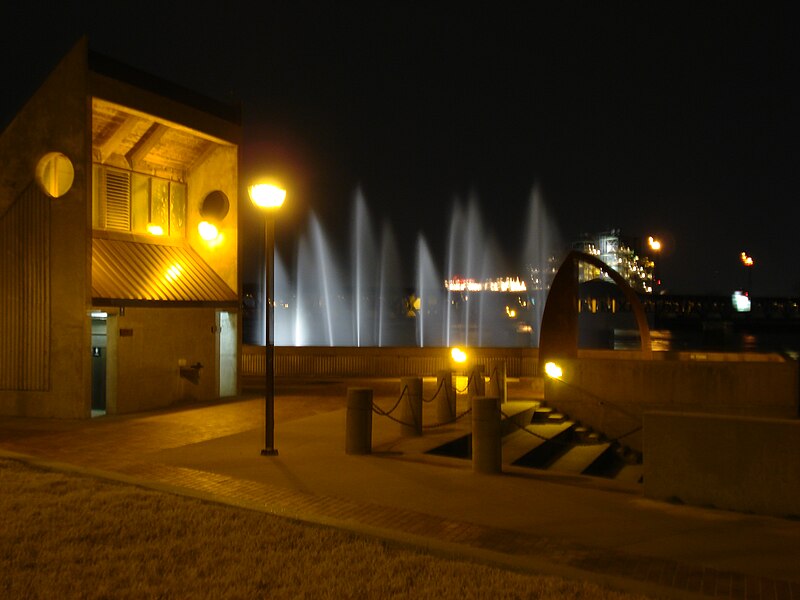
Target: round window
column 55, row 174
column 215, row 206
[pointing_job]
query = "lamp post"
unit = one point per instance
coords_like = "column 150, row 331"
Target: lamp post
column 748, row 263
column 655, row 246
column 269, row 198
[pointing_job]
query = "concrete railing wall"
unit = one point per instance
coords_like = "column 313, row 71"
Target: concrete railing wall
column 730, row 462
column 612, row 395
column 382, row 362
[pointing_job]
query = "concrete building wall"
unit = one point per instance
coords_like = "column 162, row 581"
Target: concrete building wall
column 731, row 462
column 148, row 347
column 56, row 120
column 612, row 395
column 217, row 172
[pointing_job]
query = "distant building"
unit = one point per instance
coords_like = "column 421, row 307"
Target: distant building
column 625, row 255
column 118, row 245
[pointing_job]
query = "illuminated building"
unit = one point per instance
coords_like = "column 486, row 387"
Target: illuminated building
column 499, row 284
column 625, row 256
column 118, row 244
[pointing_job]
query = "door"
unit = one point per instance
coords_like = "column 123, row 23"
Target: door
column 226, row 328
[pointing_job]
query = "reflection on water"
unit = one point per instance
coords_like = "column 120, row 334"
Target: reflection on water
column 721, row 339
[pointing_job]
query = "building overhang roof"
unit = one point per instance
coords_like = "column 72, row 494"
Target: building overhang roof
column 131, row 272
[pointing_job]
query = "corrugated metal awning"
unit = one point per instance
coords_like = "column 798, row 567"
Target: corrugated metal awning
column 132, row 271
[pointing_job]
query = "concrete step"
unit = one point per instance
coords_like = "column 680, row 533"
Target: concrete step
column 542, row 455
column 517, row 414
column 592, row 438
column 630, row 474
column 519, row 443
column 579, row 458
column 542, row 413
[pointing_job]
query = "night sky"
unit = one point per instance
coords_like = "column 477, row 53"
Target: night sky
column 666, row 119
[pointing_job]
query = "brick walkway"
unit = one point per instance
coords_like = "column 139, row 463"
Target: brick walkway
column 121, row 445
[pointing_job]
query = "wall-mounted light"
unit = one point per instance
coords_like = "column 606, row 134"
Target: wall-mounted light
column 553, row 370
column 154, row 229
column 208, row 231
column 213, row 209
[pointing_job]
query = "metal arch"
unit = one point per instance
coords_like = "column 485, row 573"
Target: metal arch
column 559, row 328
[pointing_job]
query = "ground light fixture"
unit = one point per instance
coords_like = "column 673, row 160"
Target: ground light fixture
column 553, row 370
column 268, row 197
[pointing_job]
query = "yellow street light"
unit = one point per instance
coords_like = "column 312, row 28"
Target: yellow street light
column 269, row 198
column 655, row 245
column 553, row 370
column 458, row 355
column 267, row 195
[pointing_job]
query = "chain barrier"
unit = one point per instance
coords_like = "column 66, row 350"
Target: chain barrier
column 385, row 413
column 555, row 441
column 396, row 420
column 469, row 380
column 631, row 432
column 388, row 413
column 439, row 389
column 533, row 433
column 444, row 423
column 601, row 401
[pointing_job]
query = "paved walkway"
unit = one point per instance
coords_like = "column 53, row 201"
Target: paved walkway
column 576, row 527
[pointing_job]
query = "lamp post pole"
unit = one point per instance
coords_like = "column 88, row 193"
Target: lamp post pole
column 269, row 347
column 269, row 198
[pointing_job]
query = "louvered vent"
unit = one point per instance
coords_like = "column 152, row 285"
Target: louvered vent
column 118, row 200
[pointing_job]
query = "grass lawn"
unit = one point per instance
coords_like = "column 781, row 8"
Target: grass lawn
column 70, row 536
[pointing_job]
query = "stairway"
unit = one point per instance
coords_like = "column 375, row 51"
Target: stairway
column 537, row 437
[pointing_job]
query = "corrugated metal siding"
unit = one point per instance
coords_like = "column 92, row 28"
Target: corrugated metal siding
column 124, row 270
column 25, row 293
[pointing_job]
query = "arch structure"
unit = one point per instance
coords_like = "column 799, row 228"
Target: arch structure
column 558, row 337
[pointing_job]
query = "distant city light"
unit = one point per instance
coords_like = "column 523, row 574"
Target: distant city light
column 741, row 301
column 654, row 244
column 747, row 260
column 507, row 284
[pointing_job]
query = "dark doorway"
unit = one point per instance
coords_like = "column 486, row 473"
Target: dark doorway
column 99, row 351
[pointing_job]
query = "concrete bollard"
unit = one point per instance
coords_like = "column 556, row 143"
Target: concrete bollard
column 411, row 406
column 487, row 447
column 499, row 386
column 358, row 435
column 477, row 384
column 446, row 400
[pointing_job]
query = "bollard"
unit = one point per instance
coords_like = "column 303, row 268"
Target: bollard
column 446, row 400
column 358, row 434
column 499, row 386
column 487, row 449
column 477, row 384
column 411, row 406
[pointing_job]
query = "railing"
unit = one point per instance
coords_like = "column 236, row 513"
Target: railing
column 381, row 362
